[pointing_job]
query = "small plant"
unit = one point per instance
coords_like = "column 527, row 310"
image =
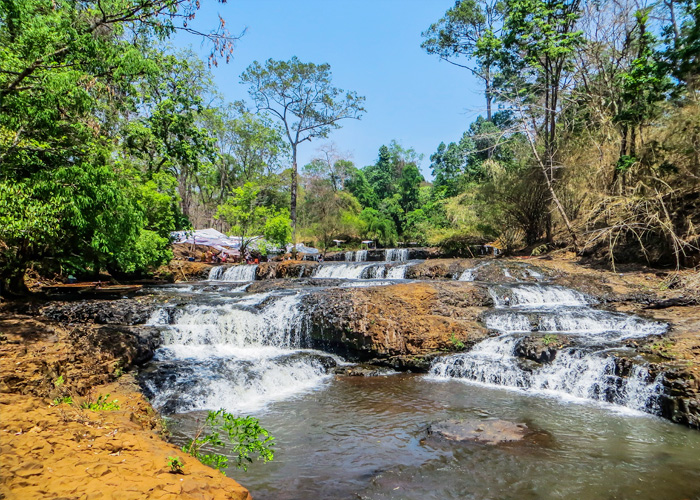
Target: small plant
column 101, row 404
column 244, row 435
column 539, row 250
column 456, row 343
column 63, row 400
column 59, row 382
column 549, row 339
column 176, row 465
column 118, row 370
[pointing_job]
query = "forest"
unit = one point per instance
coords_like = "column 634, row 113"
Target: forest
column 110, row 139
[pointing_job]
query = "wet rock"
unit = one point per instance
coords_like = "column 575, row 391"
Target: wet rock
column 439, row 269
column 363, row 371
column 105, row 312
column 539, row 349
column 285, row 269
column 479, row 431
column 395, row 324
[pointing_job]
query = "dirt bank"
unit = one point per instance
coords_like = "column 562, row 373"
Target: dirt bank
column 63, row 451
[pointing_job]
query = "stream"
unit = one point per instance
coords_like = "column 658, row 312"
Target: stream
column 594, row 429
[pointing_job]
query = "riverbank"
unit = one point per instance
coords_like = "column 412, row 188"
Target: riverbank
column 54, row 450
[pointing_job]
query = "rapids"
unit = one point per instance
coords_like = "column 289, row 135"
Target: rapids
column 365, row 437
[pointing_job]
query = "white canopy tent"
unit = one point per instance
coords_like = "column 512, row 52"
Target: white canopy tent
column 209, row 237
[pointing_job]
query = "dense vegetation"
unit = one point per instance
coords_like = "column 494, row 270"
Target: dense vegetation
column 109, row 140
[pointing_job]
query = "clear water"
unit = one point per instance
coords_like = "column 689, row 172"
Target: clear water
column 341, row 437
column 363, row 438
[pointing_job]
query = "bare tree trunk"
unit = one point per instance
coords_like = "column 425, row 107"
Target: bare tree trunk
column 550, row 187
column 293, row 210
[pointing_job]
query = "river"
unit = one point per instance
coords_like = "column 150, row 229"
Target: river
column 593, row 429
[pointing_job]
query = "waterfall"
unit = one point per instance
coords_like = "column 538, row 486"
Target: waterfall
column 397, row 272
column 350, row 271
column 536, row 295
column 396, row 254
column 468, row 274
column 240, row 272
column 586, row 371
column 359, row 256
column 573, row 373
column 239, row 354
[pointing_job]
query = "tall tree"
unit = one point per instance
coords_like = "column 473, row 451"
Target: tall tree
column 67, row 70
column 302, row 96
column 539, row 40
column 470, row 29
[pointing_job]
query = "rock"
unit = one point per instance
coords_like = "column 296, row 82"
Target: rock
column 392, row 324
column 363, row 371
column 104, row 312
column 535, row 348
column 479, row 431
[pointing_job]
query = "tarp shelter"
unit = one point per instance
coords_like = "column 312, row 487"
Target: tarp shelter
column 301, row 248
column 208, row 237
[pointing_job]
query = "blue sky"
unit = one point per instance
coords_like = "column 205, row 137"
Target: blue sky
column 373, row 48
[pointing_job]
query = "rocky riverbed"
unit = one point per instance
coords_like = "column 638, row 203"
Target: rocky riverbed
column 96, row 346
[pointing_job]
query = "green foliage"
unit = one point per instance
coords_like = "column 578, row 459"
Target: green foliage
column 176, row 465
column 63, row 400
column 101, row 404
column 328, row 214
column 457, row 344
column 379, row 227
column 249, row 218
column 549, row 339
column 244, row 440
column 69, row 74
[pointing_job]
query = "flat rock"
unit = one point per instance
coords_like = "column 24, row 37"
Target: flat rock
column 479, row 431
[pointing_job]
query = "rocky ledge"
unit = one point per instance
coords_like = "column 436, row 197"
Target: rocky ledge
column 402, row 326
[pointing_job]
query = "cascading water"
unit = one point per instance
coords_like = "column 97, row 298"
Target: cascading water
column 397, row 272
column 358, row 256
column 469, row 274
column 239, row 354
column 240, row 273
column 491, row 270
column 586, row 371
column 396, row 254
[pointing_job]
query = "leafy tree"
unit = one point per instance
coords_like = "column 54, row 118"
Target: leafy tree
column 447, row 165
column 249, row 219
column 470, row 29
column 170, row 136
column 643, row 87
column 409, row 185
column 67, row 70
column 361, row 189
column 379, row 227
column 539, row 42
column 329, row 213
column 381, row 175
column 302, row 97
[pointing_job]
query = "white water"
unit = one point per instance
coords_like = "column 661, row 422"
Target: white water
column 358, row 256
column 469, row 274
column 397, row 272
column 240, row 273
column 241, row 354
column 584, row 372
column 537, row 296
column 572, row 374
column 396, row 254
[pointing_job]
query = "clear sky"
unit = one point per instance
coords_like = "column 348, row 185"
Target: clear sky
column 373, row 47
